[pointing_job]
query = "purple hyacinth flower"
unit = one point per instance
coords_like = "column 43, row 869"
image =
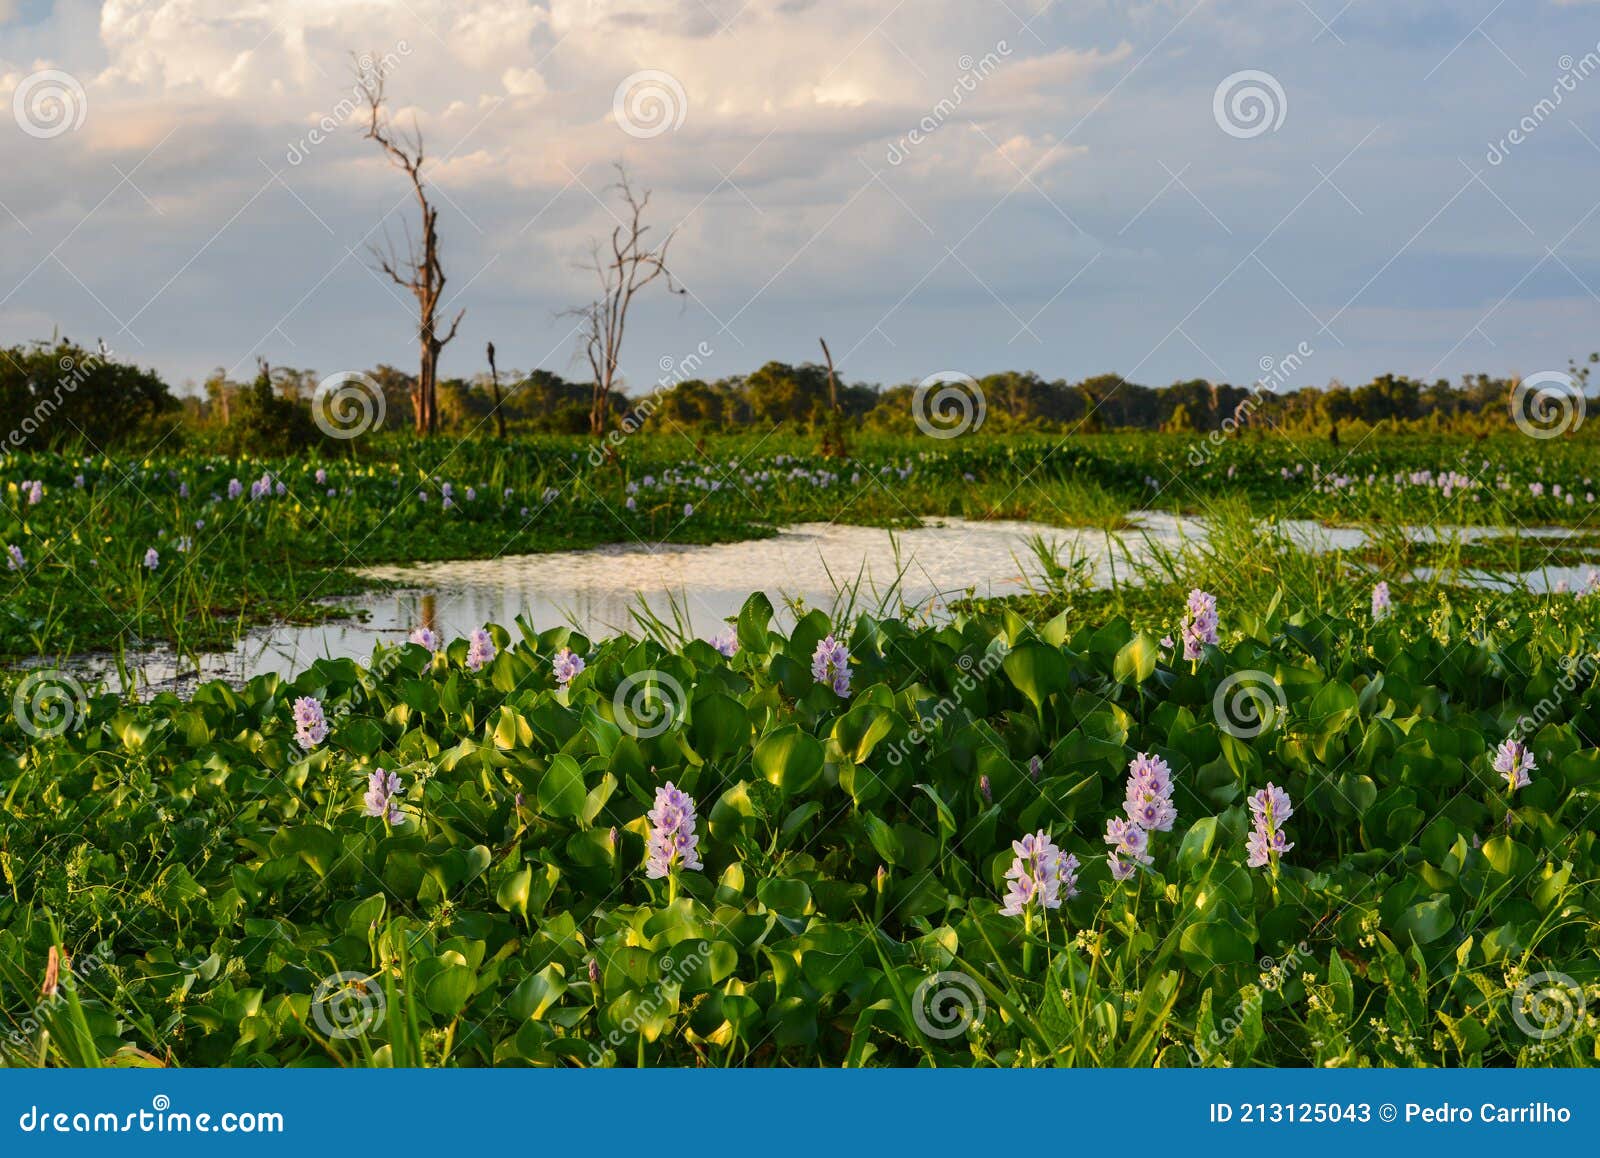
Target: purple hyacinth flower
column 566, row 665
column 1514, row 761
column 14, row 559
column 1034, row 879
column 673, row 843
column 310, row 724
column 726, row 642
column 382, row 788
column 1382, row 602
column 1148, row 802
column 480, row 649
column 1199, row 623
column 1129, row 845
column 235, row 488
column 1269, row 808
column 426, row 637
column 152, row 559
column 830, row 664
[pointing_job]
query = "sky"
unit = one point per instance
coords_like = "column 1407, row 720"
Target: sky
column 1164, row 189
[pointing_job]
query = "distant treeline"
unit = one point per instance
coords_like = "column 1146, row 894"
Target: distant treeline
column 58, row 393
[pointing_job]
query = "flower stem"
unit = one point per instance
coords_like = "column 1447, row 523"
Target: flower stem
column 1027, row 939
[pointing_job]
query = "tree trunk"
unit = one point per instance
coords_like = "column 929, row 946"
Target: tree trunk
column 494, row 380
column 427, row 396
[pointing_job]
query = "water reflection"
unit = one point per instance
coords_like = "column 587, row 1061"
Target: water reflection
column 697, row 589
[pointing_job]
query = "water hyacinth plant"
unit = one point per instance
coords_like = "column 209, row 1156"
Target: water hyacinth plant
column 562, row 808
column 310, row 725
column 480, row 649
column 1513, row 761
column 1381, row 601
column 382, row 789
column 1199, row 623
column 1040, row 877
column 673, row 842
column 832, row 849
column 1269, row 809
column 566, row 665
column 830, row 665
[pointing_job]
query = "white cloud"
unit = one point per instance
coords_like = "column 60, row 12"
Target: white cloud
column 523, row 82
column 780, row 179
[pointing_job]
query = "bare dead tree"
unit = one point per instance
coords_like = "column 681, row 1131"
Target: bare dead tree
column 623, row 266
column 833, row 438
column 419, row 270
column 833, row 381
column 494, row 385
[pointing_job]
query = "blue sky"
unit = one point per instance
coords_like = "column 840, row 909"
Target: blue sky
column 1080, row 209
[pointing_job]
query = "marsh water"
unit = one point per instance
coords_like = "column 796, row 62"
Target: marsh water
column 914, row 572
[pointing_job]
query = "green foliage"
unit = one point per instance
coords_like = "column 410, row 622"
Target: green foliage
column 381, row 501
column 225, row 900
column 59, row 394
column 267, row 423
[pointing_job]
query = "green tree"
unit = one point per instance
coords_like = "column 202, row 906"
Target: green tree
column 60, row 394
